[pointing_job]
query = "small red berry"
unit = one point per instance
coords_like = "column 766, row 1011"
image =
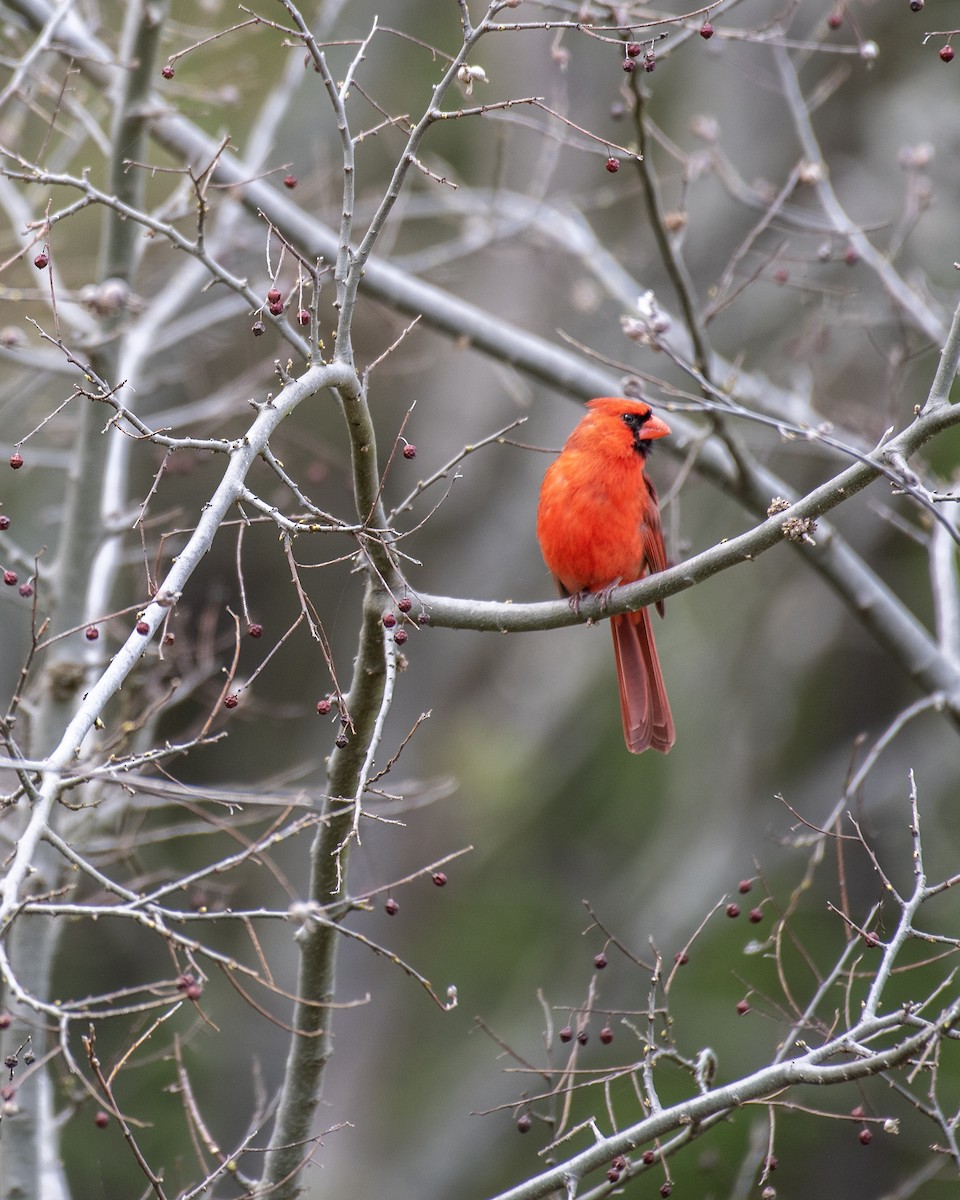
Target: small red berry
column 613, row 1175
column 323, row 707
column 583, row 1037
column 649, row 63
column 756, row 916
column 666, row 1189
column 391, row 908
column 290, row 181
column 167, row 71
column 423, row 618
column 102, row 1119
column 771, row 1164
column 193, row 992
column 409, row 450
column 613, row 165
column 10, row 578
column 835, row 20
column 857, row 1113
column 257, row 328
column 850, row 256
column 92, row 633
column 600, row 960
column 341, row 741
column 706, row 31
column 389, row 620
column 524, row 1123
column 733, row 910
column 946, row 53
column 744, row 886
column 303, row 317
column 440, row 878
column 566, row 1034
column 4, row 521
column 606, row 1035
column 648, row 1157
column 41, row 261
column 255, row 630
column 400, row 637
column 916, row 5
column 781, row 275
column 143, row 628
column 629, row 65
column 681, row 958
column 26, row 590
column 184, row 981
column 231, row 701
column 743, row 1007
column 276, row 308
column 634, row 49
column 274, row 296
column 619, row 1163
column 870, row 939
column 404, row 603
column 169, row 639
column 866, row 1137
column 5, row 1020
column 16, row 460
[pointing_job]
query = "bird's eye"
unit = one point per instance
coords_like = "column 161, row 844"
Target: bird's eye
column 636, row 419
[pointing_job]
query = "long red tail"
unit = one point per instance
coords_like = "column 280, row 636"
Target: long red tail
column 643, row 698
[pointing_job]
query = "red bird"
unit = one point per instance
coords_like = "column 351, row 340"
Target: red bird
column 598, row 525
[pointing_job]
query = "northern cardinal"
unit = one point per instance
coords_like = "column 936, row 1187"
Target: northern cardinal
column 598, row 525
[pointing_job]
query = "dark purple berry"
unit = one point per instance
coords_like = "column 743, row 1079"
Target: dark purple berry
column 606, row 1035
column 835, row 20
column 743, row 1007
column 648, row 1157
column 409, row 450
column 946, row 53
column 524, row 1123
column 290, row 181
column 26, row 590
column 404, row 604
column 41, row 261
column 167, row 71
column 629, row 65
column 276, row 308
column 744, row 886
column 342, row 741
column 634, row 49
column 4, row 521
column 733, row 910
column 440, row 878
column 303, row 317
column 400, row 637
column 323, row 707
column 389, row 620
column 865, row 1136
column 231, row 701
column 92, row 633
column 583, row 1037
column 566, row 1034
column 391, row 907
column 681, row 958
column 255, row 630
column 706, row 31
column 143, row 628
column 274, row 296
column 600, row 960
column 102, row 1119
column 613, row 1175
column 756, row 916
column 613, row 165
column 10, row 578
column 257, row 328
column 16, row 460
